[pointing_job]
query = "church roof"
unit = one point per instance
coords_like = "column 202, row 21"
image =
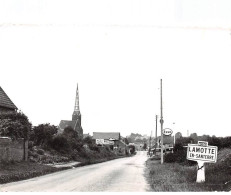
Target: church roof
column 64, row 123
column 106, row 135
column 5, row 101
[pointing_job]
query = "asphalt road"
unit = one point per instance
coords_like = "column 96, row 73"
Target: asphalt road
column 120, row 175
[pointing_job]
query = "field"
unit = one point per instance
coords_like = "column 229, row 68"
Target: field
column 175, row 177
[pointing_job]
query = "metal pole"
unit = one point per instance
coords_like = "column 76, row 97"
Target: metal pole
column 161, row 123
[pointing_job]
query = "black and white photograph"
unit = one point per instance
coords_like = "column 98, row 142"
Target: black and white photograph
column 115, row 96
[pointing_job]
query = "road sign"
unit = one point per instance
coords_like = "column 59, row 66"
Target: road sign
column 167, row 131
column 198, row 152
column 201, row 153
column 202, row 143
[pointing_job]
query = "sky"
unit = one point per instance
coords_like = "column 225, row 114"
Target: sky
column 117, row 51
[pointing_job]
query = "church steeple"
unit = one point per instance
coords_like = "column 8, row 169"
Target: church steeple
column 76, row 113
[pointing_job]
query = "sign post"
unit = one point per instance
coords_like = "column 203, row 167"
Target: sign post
column 201, row 153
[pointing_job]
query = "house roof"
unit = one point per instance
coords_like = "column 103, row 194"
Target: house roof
column 5, row 101
column 106, row 135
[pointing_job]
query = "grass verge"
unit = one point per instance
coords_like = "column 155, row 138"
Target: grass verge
column 16, row 171
column 175, row 177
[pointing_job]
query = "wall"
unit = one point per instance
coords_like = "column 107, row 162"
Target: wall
column 13, row 150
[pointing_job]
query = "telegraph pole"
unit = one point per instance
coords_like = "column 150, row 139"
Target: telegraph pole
column 161, row 123
column 156, row 135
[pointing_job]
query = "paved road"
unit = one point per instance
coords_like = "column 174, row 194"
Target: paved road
column 120, row 175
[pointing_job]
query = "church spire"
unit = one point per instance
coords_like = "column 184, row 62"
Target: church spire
column 76, row 114
column 76, row 108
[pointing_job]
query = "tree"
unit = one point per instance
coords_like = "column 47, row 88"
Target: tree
column 132, row 149
column 43, row 134
column 194, row 137
column 15, row 125
column 60, row 143
column 145, row 146
column 184, row 140
column 70, row 133
column 88, row 140
column 126, row 141
column 178, row 135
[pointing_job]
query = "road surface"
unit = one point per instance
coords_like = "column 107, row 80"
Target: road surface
column 120, row 175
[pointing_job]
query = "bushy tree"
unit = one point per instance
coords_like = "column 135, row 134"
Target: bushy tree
column 194, row 138
column 60, row 143
column 145, row 146
column 132, row 149
column 42, row 134
column 178, row 135
column 184, row 140
column 15, row 125
column 126, row 141
column 88, row 140
column 70, row 133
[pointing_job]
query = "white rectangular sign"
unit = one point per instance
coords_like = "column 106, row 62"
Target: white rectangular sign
column 104, row 142
column 99, row 141
column 202, row 153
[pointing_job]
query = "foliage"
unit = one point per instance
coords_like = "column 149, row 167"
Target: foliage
column 179, row 155
column 60, row 143
column 43, row 134
column 178, row 135
column 132, row 149
column 145, row 146
column 184, row 140
column 194, row 138
column 88, row 140
column 220, row 142
column 70, row 133
column 40, row 151
column 15, row 125
column 126, row 141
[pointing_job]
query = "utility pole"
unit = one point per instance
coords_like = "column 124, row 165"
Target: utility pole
column 161, row 123
column 156, row 135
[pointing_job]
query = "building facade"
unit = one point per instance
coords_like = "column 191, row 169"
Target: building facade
column 111, row 139
column 75, row 123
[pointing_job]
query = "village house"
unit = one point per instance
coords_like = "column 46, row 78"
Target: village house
column 6, row 104
column 110, row 139
column 11, row 150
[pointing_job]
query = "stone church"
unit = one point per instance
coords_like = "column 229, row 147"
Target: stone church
column 75, row 123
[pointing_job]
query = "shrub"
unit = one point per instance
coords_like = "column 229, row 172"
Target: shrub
column 42, row 134
column 88, row 140
column 94, row 148
column 30, row 144
column 15, row 125
column 40, row 151
column 132, row 149
column 60, row 143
